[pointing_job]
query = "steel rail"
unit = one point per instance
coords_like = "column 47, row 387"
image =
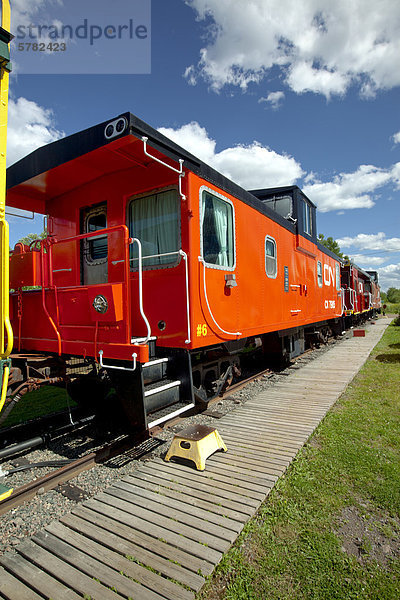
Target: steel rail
column 58, row 476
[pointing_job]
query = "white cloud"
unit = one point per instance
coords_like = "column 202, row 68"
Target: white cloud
column 350, row 190
column 274, row 99
column 29, row 127
column 319, row 45
column 373, row 241
column 389, row 276
column 251, row 166
column 367, row 262
column 396, row 138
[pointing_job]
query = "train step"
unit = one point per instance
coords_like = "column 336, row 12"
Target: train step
column 154, row 370
column 161, row 394
column 151, row 343
column 170, row 412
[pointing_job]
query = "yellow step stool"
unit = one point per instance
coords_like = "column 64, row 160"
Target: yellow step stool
column 5, row 492
column 196, row 443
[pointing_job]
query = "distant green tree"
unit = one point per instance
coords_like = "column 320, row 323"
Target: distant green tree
column 393, row 295
column 332, row 245
column 384, row 297
column 31, row 237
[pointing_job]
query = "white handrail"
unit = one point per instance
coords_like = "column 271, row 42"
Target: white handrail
column 103, row 366
column 208, row 305
column 180, row 171
column 140, row 266
column 185, row 258
column 115, row 262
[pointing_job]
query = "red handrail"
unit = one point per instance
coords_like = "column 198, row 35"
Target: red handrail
column 51, row 241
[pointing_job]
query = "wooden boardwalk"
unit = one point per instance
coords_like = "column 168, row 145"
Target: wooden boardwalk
column 159, row 532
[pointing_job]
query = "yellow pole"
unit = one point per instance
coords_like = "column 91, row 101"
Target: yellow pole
column 5, row 325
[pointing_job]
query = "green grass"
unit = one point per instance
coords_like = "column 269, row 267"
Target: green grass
column 330, row 528
column 392, row 309
column 38, row 403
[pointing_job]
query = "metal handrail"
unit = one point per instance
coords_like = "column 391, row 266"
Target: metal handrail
column 103, row 366
column 235, row 333
column 141, row 341
column 52, row 241
column 185, row 258
column 180, row 171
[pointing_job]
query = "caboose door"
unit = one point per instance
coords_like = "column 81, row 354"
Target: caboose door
column 94, row 250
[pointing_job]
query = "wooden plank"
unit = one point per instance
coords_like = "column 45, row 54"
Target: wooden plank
column 12, row 588
column 149, row 579
column 121, row 511
column 201, row 531
column 37, row 579
column 238, row 460
column 93, row 568
column 250, row 449
column 248, row 453
column 261, row 437
column 71, row 576
column 251, row 491
column 182, row 503
column 226, row 508
column 288, row 437
column 240, row 474
column 247, row 505
column 262, row 415
column 127, row 548
column 259, row 445
column 265, row 434
column 159, row 548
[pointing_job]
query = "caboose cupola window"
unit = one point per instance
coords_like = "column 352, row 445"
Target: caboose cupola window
column 307, row 218
column 217, row 231
column 155, row 221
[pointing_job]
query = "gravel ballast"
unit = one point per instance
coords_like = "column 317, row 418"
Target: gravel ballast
column 26, row 520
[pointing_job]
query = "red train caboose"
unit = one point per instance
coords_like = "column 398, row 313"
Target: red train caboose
column 158, row 271
column 361, row 293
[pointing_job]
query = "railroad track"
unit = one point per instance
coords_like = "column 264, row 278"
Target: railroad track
column 126, row 447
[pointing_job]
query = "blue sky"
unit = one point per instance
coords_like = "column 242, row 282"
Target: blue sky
column 270, row 92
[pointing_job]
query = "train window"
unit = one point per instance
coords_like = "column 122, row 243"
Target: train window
column 271, row 263
column 307, row 218
column 319, row 273
column 217, row 231
column 281, row 205
column 155, row 221
column 337, row 277
column 97, row 247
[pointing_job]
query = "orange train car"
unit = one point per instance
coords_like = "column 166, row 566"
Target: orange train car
column 158, row 273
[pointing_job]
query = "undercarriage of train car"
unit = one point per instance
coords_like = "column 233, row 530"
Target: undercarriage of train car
column 113, row 395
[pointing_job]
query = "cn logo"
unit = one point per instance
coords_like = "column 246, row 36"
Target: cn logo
column 329, row 275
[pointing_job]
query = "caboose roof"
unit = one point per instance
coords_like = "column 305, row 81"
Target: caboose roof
column 291, row 190
column 82, row 157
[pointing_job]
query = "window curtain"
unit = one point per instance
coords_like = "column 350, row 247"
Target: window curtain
column 154, row 221
column 217, row 228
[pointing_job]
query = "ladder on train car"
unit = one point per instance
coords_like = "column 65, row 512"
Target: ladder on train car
column 6, row 335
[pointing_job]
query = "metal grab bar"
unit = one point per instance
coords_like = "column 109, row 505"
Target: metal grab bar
column 103, row 366
column 115, row 262
column 140, row 272
column 185, row 258
column 208, row 305
column 161, row 162
column 54, row 326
